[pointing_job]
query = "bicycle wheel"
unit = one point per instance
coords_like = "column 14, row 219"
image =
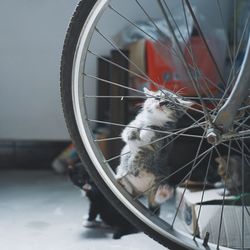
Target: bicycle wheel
column 98, row 103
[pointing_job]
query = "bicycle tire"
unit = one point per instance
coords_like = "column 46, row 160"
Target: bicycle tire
column 171, row 238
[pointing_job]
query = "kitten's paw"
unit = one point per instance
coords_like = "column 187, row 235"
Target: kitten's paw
column 91, row 224
column 120, row 172
column 163, row 193
column 133, row 135
column 146, row 136
column 221, row 192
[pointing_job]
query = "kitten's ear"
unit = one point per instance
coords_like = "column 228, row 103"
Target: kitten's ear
column 147, row 92
column 218, row 160
column 221, row 160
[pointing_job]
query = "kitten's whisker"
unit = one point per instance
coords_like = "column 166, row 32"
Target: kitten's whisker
column 179, row 92
column 185, row 108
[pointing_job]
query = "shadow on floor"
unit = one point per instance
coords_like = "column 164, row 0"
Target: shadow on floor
column 95, row 233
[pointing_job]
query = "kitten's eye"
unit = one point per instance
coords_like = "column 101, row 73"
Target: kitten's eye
column 157, row 98
column 164, row 103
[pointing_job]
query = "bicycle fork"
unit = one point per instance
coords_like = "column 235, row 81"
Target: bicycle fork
column 224, row 119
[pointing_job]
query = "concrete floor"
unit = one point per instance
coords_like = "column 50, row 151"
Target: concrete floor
column 41, row 210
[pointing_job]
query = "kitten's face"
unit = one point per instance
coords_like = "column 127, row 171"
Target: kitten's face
column 164, row 105
column 80, row 177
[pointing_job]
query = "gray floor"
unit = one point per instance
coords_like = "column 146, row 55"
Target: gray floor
column 41, row 210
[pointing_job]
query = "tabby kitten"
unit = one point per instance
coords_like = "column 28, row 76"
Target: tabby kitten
column 231, row 175
column 144, row 158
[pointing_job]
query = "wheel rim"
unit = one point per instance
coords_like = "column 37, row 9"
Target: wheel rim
column 83, row 122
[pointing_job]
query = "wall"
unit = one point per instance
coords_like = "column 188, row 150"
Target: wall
column 32, row 34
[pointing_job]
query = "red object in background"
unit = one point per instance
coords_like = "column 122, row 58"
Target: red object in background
column 206, row 75
column 164, row 70
column 160, row 66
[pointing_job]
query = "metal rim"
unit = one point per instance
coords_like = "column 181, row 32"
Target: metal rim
column 85, row 132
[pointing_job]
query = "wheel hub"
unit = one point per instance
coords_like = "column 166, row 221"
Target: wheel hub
column 213, row 136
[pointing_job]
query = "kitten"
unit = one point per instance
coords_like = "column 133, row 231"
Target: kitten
column 232, row 175
column 99, row 205
column 144, row 158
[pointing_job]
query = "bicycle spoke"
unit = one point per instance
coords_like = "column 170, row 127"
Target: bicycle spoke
column 224, row 29
column 233, row 148
column 233, row 74
column 202, row 156
column 119, row 50
column 164, row 45
column 245, row 107
column 234, row 28
column 108, row 139
column 242, row 123
column 238, row 192
column 115, row 84
column 169, row 134
column 226, row 92
column 149, row 17
column 204, row 40
column 224, row 194
column 183, row 108
column 203, row 192
column 171, row 50
column 232, row 71
column 243, row 193
column 188, row 176
column 194, row 83
column 130, row 61
column 118, row 88
column 246, row 156
column 121, row 97
column 119, row 66
column 206, row 88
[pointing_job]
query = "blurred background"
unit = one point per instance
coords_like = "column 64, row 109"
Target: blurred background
column 41, row 209
column 32, row 123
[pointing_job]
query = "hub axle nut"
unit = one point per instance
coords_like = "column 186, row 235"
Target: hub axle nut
column 213, row 136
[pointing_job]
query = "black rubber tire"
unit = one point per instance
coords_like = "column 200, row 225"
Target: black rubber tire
column 83, row 9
